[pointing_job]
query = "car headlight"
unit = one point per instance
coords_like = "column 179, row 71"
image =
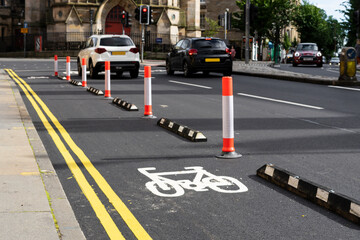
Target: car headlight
column 297, row 54
column 318, row 54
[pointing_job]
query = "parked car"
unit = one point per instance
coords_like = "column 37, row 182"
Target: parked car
column 334, row 61
column 120, row 50
column 192, row 55
column 289, row 58
column 307, row 53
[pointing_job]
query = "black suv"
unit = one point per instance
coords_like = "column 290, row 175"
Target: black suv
column 192, row 55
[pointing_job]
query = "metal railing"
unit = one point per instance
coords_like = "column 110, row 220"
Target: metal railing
column 154, row 42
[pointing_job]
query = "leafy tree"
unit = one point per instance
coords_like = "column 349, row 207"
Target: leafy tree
column 349, row 23
column 286, row 43
column 212, row 29
column 314, row 26
column 273, row 16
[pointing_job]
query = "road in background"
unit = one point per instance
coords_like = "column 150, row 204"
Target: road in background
column 310, row 130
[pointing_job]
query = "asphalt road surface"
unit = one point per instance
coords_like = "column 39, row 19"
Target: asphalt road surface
column 326, row 70
column 310, row 130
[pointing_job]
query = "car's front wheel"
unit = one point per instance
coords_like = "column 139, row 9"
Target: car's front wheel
column 169, row 71
column 187, row 71
column 93, row 71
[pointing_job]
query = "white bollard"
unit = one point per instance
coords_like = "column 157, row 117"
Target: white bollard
column 83, row 69
column 107, row 80
column 228, row 150
column 147, row 93
column 56, row 68
column 68, row 68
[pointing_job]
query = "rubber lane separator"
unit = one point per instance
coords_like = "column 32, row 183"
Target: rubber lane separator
column 125, row 105
column 76, row 83
column 280, row 101
column 183, row 131
column 95, row 91
column 343, row 205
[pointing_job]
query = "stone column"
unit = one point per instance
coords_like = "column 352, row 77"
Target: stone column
column 192, row 7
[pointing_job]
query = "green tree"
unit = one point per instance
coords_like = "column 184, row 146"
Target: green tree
column 212, row 29
column 273, row 16
column 286, row 43
column 349, row 23
column 314, row 26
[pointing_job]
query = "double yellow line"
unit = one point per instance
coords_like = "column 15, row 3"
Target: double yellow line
column 99, row 209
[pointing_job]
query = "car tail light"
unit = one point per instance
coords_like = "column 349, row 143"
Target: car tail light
column 228, row 51
column 193, row 52
column 100, row 50
column 134, row 50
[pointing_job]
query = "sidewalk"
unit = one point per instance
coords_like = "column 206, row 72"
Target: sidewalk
column 267, row 69
column 33, row 204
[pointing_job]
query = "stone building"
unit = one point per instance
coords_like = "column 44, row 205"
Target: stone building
column 72, row 21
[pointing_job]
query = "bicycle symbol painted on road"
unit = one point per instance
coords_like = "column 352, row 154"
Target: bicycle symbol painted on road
column 203, row 181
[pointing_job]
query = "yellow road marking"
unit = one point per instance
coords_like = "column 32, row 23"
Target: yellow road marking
column 100, row 210
column 118, row 204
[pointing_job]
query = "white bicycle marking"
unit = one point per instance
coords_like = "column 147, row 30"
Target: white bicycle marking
column 203, row 180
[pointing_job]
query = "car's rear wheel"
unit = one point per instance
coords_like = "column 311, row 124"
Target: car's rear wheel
column 93, row 71
column 169, row 71
column 187, row 71
column 134, row 73
column 294, row 64
column 79, row 67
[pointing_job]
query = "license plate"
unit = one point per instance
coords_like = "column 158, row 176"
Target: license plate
column 118, row 53
column 308, row 59
column 212, row 59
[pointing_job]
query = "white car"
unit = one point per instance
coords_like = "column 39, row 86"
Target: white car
column 120, row 50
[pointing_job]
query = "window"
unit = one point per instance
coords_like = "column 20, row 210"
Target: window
column 202, row 1
column 202, row 20
column 116, row 41
column 214, row 43
column 177, row 46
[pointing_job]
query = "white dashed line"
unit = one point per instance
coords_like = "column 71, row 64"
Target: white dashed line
column 280, row 101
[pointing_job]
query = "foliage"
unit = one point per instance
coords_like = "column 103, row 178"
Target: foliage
column 349, row 23
column 314, row 26
column 286, row 43
column 212, row 29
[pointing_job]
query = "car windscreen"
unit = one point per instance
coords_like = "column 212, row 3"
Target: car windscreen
column 307, row 47
column 116, row 42
column 213, row 43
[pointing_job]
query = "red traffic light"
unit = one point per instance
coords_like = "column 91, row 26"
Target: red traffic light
column 144, row 10
column 123, row 16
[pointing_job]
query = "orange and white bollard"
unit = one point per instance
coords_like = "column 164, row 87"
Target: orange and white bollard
column 228, row 150
column 56, row 68
column 147, row 93
column 68, row 68
column 107, row 80
column 83, row 70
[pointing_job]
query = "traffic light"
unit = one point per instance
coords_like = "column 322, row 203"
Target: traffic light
column 220, row 20
column 228, row 20
column 128, row 22
column 145, row 14
column 123, row 17
column 253, row 13
column 137, row 13
column 151, row 17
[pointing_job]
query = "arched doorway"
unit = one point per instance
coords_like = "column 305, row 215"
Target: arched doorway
column 113, row 24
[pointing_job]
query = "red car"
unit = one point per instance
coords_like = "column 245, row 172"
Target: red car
column 307, row 53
